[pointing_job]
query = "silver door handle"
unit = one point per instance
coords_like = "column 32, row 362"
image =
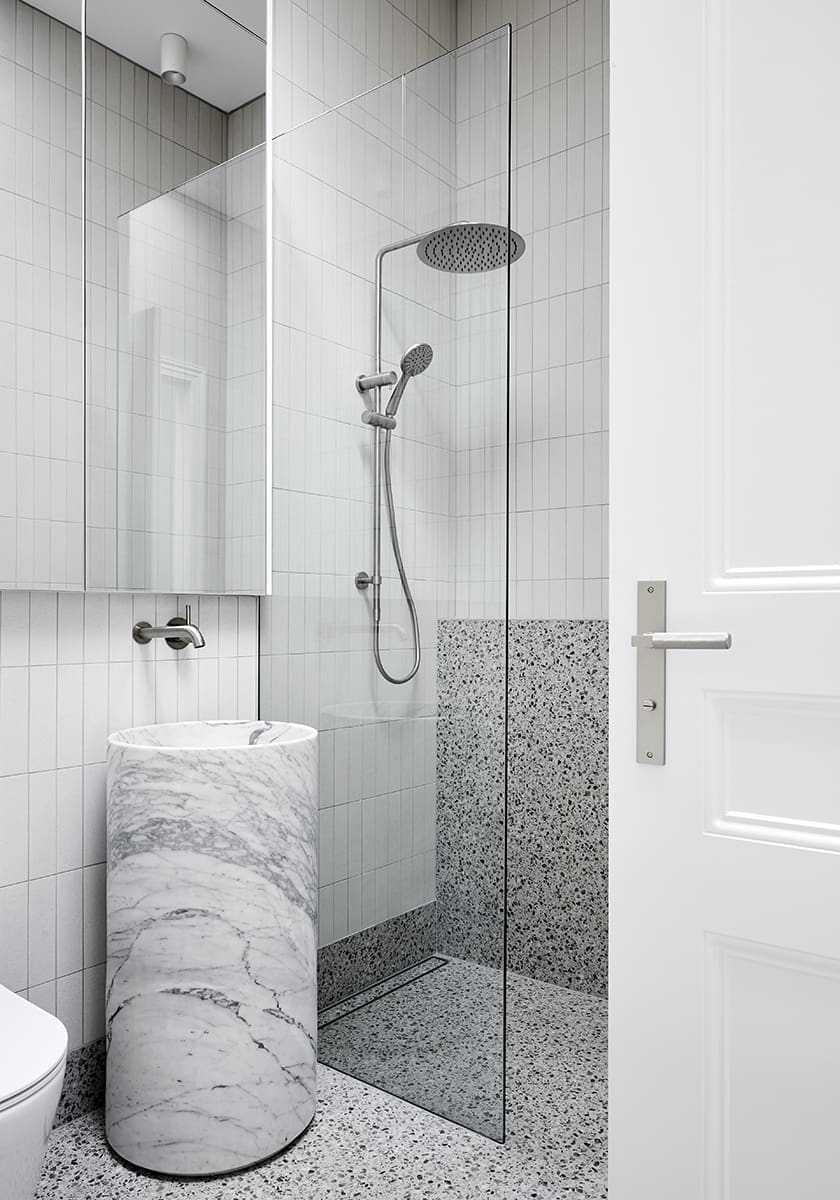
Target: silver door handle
column 650, row 666
column 683, row 641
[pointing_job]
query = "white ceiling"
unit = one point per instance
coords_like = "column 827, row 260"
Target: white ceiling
column 225, row 63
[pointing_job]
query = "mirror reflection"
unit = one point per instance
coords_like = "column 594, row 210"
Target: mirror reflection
column 42, row 440
column 176, row 296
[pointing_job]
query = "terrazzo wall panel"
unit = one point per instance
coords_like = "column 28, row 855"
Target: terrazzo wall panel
column 470, row 818
column 356, row 962
column 557, row 801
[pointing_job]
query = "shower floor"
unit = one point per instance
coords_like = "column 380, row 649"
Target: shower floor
column 366, row 1143
column 432, row 1035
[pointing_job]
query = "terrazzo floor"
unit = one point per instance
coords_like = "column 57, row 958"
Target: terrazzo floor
column 366, row 1143
column 431, row 1035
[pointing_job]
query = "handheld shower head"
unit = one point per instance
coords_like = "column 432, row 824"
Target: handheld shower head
column 414, row 362
column 416, row 359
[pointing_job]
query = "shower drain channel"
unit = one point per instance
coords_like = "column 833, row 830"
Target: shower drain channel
column 353, row 1004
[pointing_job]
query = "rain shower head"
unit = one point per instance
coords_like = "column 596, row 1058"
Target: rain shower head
column 468, row 247
column 414, row 362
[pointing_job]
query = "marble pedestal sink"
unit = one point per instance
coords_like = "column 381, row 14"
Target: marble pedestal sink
column 211, row 1010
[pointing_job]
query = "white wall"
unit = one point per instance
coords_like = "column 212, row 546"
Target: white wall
column 480, row 511
column 69, row 674
column 41, row 366
column 69, row 671
column 559, row 327
column 342, row 197
column 246, row 127
column 327, row 51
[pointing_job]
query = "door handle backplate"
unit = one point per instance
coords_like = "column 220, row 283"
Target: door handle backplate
column 650, row 666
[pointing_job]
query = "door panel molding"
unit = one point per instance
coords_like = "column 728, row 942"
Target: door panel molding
column 771, row 483
column 767, row 757
column 769, row 1011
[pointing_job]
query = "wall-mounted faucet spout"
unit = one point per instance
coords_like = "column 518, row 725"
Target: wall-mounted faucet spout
column 187, row 635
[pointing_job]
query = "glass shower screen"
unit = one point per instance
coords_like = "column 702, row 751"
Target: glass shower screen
column 387, row 626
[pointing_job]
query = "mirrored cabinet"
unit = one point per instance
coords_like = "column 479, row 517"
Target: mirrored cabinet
column 134, row 448
column 42, row 429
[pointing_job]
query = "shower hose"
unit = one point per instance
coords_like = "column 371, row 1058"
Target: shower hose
column 409, row 599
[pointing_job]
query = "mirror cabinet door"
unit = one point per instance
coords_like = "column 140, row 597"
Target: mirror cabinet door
column 175, row 260
column 42, row 505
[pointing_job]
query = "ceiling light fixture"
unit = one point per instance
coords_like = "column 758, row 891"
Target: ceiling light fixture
column 173, row 58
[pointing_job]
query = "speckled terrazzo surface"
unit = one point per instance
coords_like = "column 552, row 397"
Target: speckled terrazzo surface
column 84, row 1082
column 432, row 1036
column 356, row 962
column 365, row 1143
column 557, row 802
column 470, row 817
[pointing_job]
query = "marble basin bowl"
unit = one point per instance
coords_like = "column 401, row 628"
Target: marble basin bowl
column 211, row 1008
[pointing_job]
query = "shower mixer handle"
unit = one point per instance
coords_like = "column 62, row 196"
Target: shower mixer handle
column 363, row 581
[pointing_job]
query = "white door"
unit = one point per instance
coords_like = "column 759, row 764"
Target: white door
column 725, row 443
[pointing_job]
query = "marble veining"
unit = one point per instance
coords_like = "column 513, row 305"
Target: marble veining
column 366, row 1145
column 211, row 977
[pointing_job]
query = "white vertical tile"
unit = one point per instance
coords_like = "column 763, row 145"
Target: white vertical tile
column 14, row 629
column 44, row 995
column 69, row 715
column 41, row 951
column 43, row 702
column 69, row 819
column 95, row 725
column 93, row 909
column 14, row 921
column 14, row 718
column 93, row 993
column 43, row 628
column 93, row 814
column 43, row 824
column 14, row 822
column 69, row 922
column 69, row 1008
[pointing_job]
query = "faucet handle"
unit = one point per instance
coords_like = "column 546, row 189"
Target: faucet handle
column 181, row 643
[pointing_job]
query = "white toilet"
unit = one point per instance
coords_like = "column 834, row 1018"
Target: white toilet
column 33, row 1051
